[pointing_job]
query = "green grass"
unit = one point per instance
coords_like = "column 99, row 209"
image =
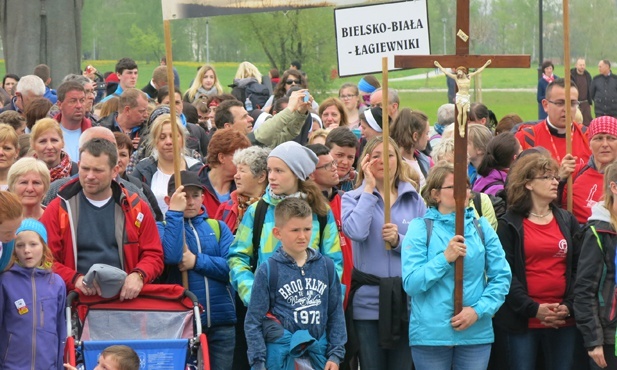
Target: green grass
column 521, row 103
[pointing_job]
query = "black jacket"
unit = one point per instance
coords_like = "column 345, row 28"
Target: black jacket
column 595, row 303
column 604, row 95
column 151, row 91
column 514, row 315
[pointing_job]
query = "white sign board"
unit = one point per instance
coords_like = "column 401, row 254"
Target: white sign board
column 365, row 34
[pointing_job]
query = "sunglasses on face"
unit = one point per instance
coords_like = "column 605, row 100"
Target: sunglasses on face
column 292, row 82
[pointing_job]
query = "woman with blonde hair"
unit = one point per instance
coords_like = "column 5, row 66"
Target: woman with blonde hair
column 29, row 179
column 47, row 142
column 156, row 170
column 594, row 298
column 205, row 84
column 377, row 269
column 9, row 151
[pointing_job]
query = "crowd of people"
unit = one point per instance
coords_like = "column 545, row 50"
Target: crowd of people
column 279, row 221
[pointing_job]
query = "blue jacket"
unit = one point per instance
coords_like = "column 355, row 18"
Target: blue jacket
column 6, row 254
column 51, row 95
column 305, row 298
column 363, row 220
column 429, row 279
column 209, row 279
column 44, row 295
column 241, row 250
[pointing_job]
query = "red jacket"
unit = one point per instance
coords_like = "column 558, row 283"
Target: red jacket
column 211, row 201
column 530, row 136
column 335, row 204
column 141, row 243
column 228, row 212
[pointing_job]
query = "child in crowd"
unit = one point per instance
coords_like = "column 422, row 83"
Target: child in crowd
column 115, row 358
column 205, row 261
column 10, row 218
column 32, row 320
column 296, row 300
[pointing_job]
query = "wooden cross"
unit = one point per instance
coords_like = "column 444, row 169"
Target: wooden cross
column 461, row 58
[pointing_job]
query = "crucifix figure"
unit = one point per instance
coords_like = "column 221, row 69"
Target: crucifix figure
column 463, row 97
column 461, row 58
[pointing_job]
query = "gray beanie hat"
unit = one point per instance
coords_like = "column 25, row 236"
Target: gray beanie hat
column 301, row 160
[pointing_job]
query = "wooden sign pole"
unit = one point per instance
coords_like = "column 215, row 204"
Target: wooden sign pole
column 174, row 125
column 566, row 74
column 386, row 143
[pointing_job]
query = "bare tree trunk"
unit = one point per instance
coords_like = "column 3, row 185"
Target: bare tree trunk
column 41, row 31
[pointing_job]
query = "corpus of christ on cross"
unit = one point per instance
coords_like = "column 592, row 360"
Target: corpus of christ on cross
column 463, row 61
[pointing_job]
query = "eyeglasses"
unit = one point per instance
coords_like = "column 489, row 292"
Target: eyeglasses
column 467, row 186
column 327, row 166
column 292, row 82
column 547, row 177
column 345, row 97
column 91, row 92
column 561, row 103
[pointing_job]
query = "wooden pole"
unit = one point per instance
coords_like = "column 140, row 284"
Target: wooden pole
column 386, row 143
column 566, row 74
column 174, row 126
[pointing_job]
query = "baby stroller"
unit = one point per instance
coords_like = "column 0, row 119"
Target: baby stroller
column 162, row 325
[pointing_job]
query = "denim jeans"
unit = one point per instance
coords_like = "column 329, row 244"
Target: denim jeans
column 467, row 357
column 557, row 347
column 221, row 342
column 372, row 356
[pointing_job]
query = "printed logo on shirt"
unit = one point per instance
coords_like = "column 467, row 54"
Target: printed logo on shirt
column 592, row 192
column 563, row 249
column 302, row 295
column 405, row 222
column 20, row 304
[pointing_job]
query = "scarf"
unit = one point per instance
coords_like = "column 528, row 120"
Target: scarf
column 547, row 78
column 201, row 92
column 297, row 194
column 63, row 169
column 243, row 203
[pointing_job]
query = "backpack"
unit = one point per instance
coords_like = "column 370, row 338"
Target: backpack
column 258, row 224
column 499, row 205
column 257, row 93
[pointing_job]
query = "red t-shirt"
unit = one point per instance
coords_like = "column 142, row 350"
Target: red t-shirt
column 545, row 264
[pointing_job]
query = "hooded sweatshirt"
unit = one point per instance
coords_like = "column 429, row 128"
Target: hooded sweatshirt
column 595, row 303
column 32, row 319
column 302, row 298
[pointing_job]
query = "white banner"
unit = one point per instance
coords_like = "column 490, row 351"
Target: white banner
column 365, row 34
column 178, row 9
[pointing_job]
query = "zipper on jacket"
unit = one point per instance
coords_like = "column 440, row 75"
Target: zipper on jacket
column 34, row 310
column 207, row 285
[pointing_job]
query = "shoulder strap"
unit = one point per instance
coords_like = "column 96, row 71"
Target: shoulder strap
column 585, row 168
column 258, row 224
column 477, row 203
column 476, row 223
column 330, row 269
column 429, row 230
column 323, row 221
column 214, row 224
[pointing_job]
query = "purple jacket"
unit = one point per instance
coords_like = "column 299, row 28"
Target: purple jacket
column 31, row 301
column 492, row 183
column 363, row 219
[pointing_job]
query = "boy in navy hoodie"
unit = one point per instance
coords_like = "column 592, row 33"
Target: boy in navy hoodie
column 295, row 317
